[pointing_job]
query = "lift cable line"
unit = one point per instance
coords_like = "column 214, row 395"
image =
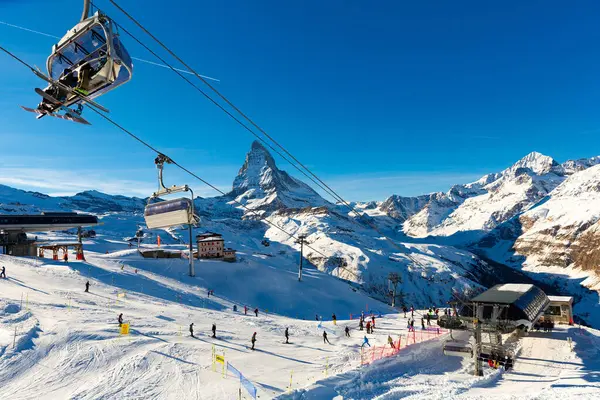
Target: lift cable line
column 221, row 107
column 313, row 177
column 158, row 152
column 133, row 58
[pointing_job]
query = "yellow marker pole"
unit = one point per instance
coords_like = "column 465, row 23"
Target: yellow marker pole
column 223, row 364
column 291, row 375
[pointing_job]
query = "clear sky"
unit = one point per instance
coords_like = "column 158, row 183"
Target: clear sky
column 377, row 97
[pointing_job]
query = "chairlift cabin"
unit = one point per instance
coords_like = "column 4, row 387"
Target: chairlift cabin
column 458, row 348
column 165, row 214
column 92, row 52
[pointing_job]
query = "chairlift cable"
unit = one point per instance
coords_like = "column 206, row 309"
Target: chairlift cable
column 314, row 177
column 216, row 103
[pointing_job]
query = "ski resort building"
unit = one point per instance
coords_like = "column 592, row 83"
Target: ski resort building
column 14, row 228
column 210, row 245
column 560, row 309
column 511, row 305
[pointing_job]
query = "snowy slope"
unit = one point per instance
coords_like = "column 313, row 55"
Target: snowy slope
column 546, row 368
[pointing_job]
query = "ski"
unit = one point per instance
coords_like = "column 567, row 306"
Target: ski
column 65, row 117
column 69, row 90
column 70, row 114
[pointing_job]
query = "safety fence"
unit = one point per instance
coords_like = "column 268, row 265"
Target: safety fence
column 370, row 354
column 244, row 382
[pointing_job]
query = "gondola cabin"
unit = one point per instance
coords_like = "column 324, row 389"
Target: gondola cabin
column 169, row 213
column 92, row 53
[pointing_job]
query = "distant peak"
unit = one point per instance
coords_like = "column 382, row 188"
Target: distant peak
column 537, row 162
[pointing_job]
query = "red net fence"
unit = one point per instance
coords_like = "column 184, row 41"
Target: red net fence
column 370, row 354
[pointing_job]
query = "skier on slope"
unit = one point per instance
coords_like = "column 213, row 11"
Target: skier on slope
column 334, row 319
column 253, row 340
column 405, row 310
column 3, row 273
column 120, row 319
column 368, row 327
column 325, row 340
column 287, row 336
column 360, row 325
column 256, row 312
column 391, row 342
column 87, row 286
column 192, row 330
column 214, row 330
column 428, row 319
column 423, row 323
column 347, row 330
column 366, row 341
column 412, row 311
column 245, row 310
column 412, row 325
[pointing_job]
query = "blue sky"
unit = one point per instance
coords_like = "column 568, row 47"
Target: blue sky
column 375, row 97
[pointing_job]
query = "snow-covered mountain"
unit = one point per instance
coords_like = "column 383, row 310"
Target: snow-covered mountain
column 467, row 212
column 341, row 243
column 260, row 185
column 560, row 234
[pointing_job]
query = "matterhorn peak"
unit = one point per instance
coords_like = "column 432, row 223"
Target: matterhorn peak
column 261, row 181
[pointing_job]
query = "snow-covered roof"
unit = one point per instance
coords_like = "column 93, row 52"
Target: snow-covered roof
column 514, row 287
column 211, row 239
column 561, row 299
column 506, row 293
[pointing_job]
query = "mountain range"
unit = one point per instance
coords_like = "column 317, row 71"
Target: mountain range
column 526, row 222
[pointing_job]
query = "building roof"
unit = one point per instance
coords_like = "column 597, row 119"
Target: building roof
column 561, row 299
column 206, row 234
column 506, row 293
column 211, row 239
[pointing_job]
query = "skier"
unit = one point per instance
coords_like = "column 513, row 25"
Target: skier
column 405, row 310
column 316, row 317
column 422, row 323
column 325, row 340
column 412, row 311
column 437, row 312
column 373, row 323
column 245, row 310
column 256, row 311
column 3, row 273
column 347, row 330
column 253, row 340
column 366, row 341
column 412, row 324
column 214, row 330
column 120, row 319
column 234, row 308
column 391, row 342
column 334, row 319
column 87, row 286
column 360, row 325
column 208, row 294
column 287, row 336
column 192, row 330
column 368, row 327
column 428, row 319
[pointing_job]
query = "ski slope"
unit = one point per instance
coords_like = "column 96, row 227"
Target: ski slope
column 546, row 368
column 58, row 342
column 67, row 343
